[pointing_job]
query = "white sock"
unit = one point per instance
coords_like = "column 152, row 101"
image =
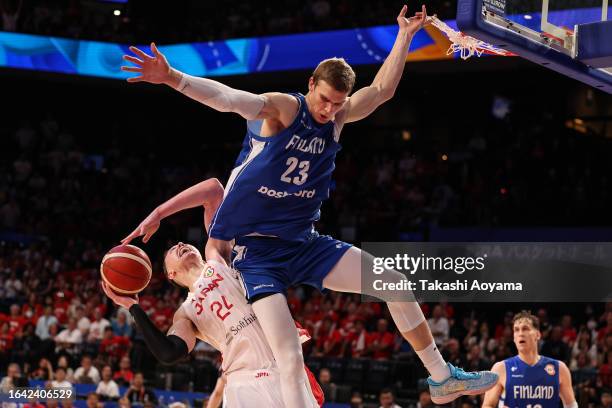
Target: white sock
column 434, row 363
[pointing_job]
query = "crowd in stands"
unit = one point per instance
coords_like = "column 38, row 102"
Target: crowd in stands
column 72, row 185
column 191, row 21
column 58, row 327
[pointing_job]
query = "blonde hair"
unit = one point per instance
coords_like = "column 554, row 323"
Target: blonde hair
column 336, row 72
column 526, row 315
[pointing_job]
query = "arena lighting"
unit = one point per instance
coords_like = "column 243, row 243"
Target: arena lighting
column 117, row 12
column 527, row 17
column 444, row 157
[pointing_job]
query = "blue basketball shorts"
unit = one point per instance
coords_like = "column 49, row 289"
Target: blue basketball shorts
column 271, row 265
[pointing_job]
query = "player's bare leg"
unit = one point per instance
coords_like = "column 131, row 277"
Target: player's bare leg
column 279, row 328
column 446, row 382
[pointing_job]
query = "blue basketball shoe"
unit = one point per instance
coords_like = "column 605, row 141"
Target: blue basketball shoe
column 461, row 383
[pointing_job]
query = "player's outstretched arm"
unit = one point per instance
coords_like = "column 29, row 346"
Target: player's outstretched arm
column 566, row 392
column 168, row 349
column 208, row 193
column 155, row 69
column 363, row 102
column 491, row 397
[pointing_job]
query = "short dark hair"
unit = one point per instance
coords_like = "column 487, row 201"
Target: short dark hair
column 525, row 314
column 386, row 391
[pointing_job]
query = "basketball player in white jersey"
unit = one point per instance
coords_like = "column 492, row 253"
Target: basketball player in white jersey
column 216, row 312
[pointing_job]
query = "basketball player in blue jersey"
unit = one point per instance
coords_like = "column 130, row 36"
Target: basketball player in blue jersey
column 275, row 192
column 529, row 380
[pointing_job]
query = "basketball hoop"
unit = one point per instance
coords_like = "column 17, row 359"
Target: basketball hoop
column 464, row 44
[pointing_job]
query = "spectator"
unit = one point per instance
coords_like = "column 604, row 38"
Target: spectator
column 107, row 388
column 439, row 325
column 356, row 400
column 121, row 327
column 62, row 361
column 387, row 399
column 584, row 344
column 357, row 339
column 124, row 403
column 138, row 393
column 605, row 371
column 87, row 373
column 162, row 316
column 60, row 380
column 453, row 353
column 114, row 347
column 474, row 360
column 380, row 343
column 328, row 387
column 32, row 310
column 584, row 372
column 124, row 375
column 555, row 347
column 16, row 320
column 6, row 340
column 44, row 371
column 83, row 322
column 568, row 331
column 43, row 323
column 27, row 345
column 70, row 338
column 329, row 340
column 424, row 400
column 98, row 324
column 93, row 401
column 13, row 379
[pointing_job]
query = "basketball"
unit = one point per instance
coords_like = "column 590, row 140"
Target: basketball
column 126, row 269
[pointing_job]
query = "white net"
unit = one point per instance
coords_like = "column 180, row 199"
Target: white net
column 464, row 44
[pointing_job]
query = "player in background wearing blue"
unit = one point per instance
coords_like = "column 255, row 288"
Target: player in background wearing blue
column 529, row 380
column 274, row 196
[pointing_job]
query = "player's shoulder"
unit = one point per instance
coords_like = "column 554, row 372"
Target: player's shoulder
column 499, row 366
column 550, row 360
column 212, row 267
column 279, row 101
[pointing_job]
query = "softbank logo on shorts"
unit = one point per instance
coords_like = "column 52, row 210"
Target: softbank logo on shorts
column 282, row 194
column 263, row 285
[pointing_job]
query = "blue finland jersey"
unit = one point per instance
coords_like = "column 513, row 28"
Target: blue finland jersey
column 279, row 182
column 531, row 386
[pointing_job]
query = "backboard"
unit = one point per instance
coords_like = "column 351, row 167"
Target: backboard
column 573, row 37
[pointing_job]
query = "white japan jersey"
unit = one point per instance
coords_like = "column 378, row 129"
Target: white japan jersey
column 226, row 321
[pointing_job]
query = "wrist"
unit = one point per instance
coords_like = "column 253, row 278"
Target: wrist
column 159, row 212
column 406, row 32
column 173, row 78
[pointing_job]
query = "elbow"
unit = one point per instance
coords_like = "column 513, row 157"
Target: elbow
column 217, row 188
column 386, row 95
column 169, row 358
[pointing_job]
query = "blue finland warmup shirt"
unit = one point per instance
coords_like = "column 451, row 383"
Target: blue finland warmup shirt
column 534, row 386
column 279, row 182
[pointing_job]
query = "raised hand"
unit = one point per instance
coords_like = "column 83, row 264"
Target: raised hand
column 120, row 300
column 147, row 227
column 414, row 23
column 154, row 69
